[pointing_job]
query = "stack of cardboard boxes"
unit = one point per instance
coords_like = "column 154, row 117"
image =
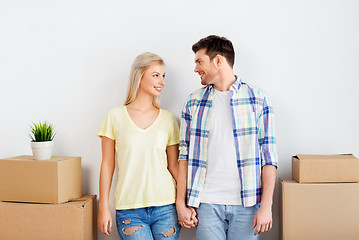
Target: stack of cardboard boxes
column 321, row 201
column 43, row 200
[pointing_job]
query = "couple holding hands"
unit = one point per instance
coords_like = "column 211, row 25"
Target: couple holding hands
column 216, row 173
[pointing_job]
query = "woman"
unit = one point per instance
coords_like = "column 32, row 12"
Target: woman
column 145, row 140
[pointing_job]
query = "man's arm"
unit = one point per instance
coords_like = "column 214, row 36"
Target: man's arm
column 263, row 218
column 186, row 215
column 267, row 141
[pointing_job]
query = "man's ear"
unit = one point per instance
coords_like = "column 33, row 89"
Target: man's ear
column 218, row 60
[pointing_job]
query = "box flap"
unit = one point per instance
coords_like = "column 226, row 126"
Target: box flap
column 305, row 157
column 83, row 199
column 287, row 180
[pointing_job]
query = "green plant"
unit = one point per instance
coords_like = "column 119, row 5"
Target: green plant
column 42, row 132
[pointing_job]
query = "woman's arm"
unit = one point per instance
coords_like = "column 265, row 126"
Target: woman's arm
column 172, row 160
column 173, row 167
column 104, row 220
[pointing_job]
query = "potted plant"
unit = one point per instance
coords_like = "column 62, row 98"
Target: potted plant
column 41, row 137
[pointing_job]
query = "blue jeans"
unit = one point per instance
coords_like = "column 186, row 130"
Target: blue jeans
column 148, row 223
column 221, row 222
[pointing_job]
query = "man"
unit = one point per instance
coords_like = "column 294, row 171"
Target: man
column 228, row 156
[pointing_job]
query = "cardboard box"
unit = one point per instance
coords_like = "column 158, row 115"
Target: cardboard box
column 325, row 168
column 52, row 181
column 75, row 220
column 319, row 211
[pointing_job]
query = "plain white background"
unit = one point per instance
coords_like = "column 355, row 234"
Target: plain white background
column 68, row 62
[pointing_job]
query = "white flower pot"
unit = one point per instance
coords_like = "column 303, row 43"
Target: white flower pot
column 42, row 150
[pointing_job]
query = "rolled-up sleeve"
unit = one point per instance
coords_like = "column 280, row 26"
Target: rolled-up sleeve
column 185, row 132
column 266, row 135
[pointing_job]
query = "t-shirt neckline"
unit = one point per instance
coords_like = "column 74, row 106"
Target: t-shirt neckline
column 135, row 125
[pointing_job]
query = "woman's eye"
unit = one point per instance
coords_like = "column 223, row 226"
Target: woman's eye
column 164, row 76
column 156, row 75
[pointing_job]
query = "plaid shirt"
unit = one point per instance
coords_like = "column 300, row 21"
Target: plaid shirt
column 253, row 132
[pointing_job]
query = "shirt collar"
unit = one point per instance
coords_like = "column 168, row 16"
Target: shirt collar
column 235, row 86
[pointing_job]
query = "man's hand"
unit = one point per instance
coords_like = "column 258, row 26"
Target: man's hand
column 263, row 219
column 186, row 216
column 194, row 216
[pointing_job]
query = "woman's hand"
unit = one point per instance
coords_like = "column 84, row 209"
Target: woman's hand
column 104, row 221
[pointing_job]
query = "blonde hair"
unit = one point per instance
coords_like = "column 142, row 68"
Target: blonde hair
column 139, row 66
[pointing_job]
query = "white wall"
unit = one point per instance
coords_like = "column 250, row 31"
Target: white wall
column 68, row 62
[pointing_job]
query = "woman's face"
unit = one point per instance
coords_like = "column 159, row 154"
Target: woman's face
column 153, row 80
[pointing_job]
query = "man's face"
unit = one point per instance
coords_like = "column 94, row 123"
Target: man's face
column 205, row 67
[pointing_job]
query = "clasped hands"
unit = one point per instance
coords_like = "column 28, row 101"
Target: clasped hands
column 187, row 216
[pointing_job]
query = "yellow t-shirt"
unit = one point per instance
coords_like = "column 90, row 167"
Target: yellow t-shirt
column 143, row 177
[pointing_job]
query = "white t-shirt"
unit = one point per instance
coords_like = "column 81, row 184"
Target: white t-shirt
column 222, row 184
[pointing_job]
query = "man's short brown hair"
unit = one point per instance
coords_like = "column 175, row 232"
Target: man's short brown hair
column 215, row 45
